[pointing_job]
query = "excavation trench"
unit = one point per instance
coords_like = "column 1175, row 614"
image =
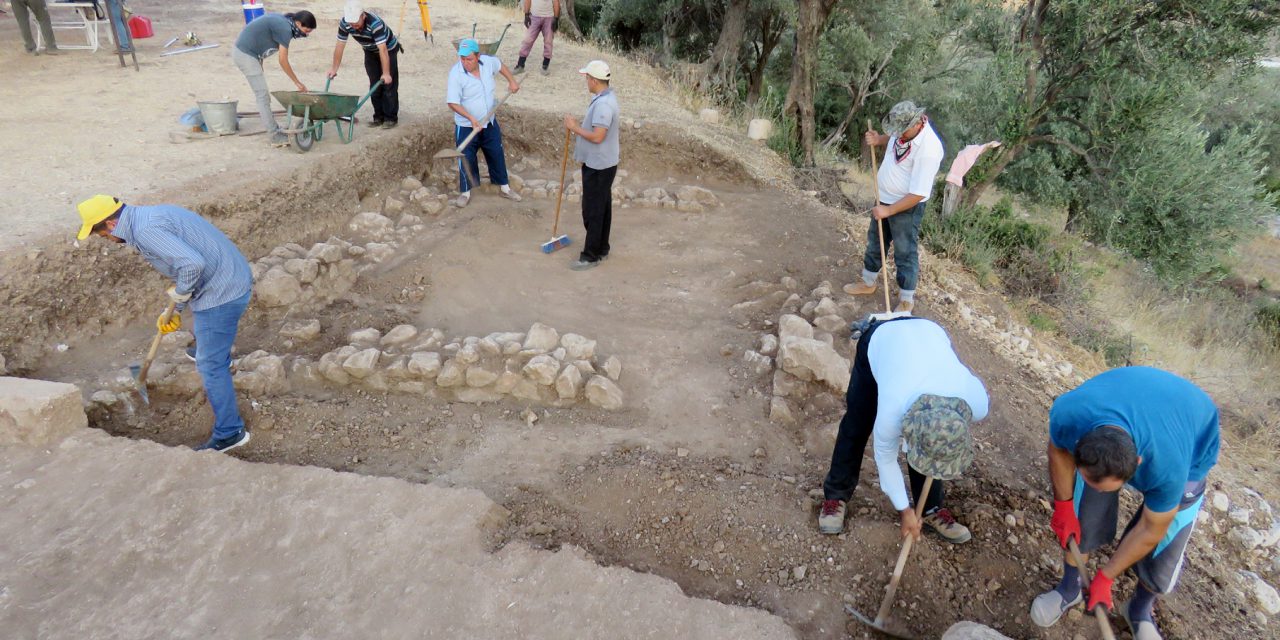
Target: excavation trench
column 688, row 478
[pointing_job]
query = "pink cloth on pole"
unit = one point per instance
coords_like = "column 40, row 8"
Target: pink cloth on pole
column 965, row 160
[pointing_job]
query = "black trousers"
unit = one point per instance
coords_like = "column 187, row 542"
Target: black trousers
column 386, row 98
column 597, row 211
column 855, row 430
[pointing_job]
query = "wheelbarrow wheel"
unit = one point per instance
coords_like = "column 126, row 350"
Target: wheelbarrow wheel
column 305, row 138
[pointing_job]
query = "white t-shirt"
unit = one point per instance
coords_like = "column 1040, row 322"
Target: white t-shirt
column 917, row 170
column 908, row 359
column 542, row 8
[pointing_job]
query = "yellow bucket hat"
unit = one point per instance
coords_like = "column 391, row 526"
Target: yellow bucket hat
column 95, row 210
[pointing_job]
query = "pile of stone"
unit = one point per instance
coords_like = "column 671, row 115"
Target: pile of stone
column 1247, row 527
column 293, row 277
column 539, row 366
column 805, row 357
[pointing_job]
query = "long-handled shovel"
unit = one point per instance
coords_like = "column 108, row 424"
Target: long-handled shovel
column 1103, row 625
column 140, row 372
column 559, row 242
column 882, row 615
column 884, row 264
column 455, row 153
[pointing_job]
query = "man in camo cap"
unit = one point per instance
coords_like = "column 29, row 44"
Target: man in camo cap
column 903, row 185
column 906, row 381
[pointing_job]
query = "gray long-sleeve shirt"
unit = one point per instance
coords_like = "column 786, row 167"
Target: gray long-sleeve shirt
column 189, row 250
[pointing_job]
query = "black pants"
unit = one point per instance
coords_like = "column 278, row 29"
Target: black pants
column 597, row 211
column 386, row 98
column 855, row 429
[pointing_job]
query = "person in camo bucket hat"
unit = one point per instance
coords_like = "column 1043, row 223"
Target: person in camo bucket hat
column 936, row 431
column 909, row 387
column 901, row 117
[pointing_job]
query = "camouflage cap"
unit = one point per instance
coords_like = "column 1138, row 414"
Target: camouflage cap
column 901, row 117
column 936, row 430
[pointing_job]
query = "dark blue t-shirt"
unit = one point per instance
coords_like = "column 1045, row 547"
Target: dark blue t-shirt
column 1172, row 422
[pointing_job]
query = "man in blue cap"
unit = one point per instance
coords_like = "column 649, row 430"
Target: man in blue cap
column 209, row 274
column 470, row 96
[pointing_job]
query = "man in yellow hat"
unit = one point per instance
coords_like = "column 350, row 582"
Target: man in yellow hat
column 209, row 274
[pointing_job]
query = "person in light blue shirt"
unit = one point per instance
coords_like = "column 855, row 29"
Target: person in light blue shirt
column 209, row 274
column 470, row 97
column 1153, row 431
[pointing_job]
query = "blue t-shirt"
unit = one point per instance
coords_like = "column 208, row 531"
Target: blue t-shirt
column 1172, row 422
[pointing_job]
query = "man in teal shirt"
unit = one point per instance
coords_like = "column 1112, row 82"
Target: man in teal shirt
column 1149, row 429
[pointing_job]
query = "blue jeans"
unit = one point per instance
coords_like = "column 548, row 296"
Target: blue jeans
column 215, row 333
column 904, row 239
column 115, row 11
column 489, row 140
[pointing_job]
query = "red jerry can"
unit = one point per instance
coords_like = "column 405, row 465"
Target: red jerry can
column 140, row 27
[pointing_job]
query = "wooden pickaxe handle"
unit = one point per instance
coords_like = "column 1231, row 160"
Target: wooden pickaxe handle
column 1103, row 625
column 155, row 347
column 887, row 603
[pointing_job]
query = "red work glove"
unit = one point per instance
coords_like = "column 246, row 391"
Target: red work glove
column 1100, row 592
column 1064, row 522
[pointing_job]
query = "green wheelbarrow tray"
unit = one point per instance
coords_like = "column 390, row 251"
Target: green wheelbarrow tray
column 309, row 110
column 487, row 47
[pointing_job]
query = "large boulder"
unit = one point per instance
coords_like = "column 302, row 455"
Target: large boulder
column 578, row 347
column 452, row 374
column 810, row 359
column 569, row 382
column 301, row 330
column 36, row 412
column 603, row 393
column 371, row 224
column 480, row 377
column 425, row 364
column 793, row 326
column 399, row 335
column 541, row 338
column 361, row 363
column 277, row 288
column 542, row 369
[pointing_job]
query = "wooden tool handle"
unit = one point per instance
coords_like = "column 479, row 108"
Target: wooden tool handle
column 887, row 603
column 875, row 190
column 1103, row 625
column 155, row 347
column 564, row 166
column 475, row 130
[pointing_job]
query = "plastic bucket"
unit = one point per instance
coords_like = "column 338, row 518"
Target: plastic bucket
column 252, row 9
column 219, row 117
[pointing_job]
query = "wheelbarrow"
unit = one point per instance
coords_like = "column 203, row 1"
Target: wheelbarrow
column 308, row 111
column 487, row 47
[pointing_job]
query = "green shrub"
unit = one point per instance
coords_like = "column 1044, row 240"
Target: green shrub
column 991, row 241
column 1267, row 317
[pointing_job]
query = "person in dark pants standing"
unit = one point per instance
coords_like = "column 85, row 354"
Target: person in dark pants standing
column 597, row 150
column 905, row 372
column 469, row 93
column 381, row 54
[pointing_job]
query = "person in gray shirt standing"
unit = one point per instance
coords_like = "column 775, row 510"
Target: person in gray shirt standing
column 257, row 41
column 597, row 150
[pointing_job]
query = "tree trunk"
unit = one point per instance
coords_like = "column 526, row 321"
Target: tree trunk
column 720, row 70
column 571, row 21
column 811, row 21
column 951, row 196
column 771, row 27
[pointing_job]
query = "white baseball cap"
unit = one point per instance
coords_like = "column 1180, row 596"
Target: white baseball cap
column 351, row 12
column 597, row 69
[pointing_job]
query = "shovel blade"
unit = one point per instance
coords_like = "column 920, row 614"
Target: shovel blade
column 447, row 154
column 884, row 627
column 141, row 385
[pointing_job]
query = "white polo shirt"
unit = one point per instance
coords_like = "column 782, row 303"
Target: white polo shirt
column 914, row 174
column 474, row 94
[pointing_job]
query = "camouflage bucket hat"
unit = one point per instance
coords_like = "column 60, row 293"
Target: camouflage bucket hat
column 901, row 117
column 936, row 430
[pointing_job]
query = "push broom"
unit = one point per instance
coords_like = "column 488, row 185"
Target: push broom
column 561, row 241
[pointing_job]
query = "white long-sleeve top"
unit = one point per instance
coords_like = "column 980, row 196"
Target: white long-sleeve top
column 908, row 359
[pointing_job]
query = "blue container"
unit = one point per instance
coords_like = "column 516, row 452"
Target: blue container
column 252, row 9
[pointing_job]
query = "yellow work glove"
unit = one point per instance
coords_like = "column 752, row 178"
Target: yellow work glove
column 169, row 323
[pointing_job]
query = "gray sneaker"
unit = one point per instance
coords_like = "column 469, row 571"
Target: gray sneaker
column 583, row 265
column 1142, row 629
column 1049, row 606
column 279, row 138
column 462, row 200
column 831, row 517
column 511, row 195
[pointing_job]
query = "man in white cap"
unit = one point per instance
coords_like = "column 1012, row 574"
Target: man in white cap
column 597, row 150
column 903, row 186
column 381, row 51
column 470, row 96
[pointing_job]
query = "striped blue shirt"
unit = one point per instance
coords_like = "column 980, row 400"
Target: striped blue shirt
column 374, row 33
column 189, row 250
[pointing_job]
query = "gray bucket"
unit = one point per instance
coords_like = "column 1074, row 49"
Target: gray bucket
column 219, row 117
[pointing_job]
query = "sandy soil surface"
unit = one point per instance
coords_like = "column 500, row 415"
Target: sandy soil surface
column 690, row 481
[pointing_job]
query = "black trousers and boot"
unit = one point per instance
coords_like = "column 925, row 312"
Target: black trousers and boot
column 855, row 430
column 597, row 211
column 386, row 98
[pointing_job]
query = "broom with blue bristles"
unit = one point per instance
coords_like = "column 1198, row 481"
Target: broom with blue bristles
column 559, row 242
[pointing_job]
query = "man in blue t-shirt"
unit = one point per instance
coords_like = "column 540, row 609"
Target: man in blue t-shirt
column 1153, row 431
